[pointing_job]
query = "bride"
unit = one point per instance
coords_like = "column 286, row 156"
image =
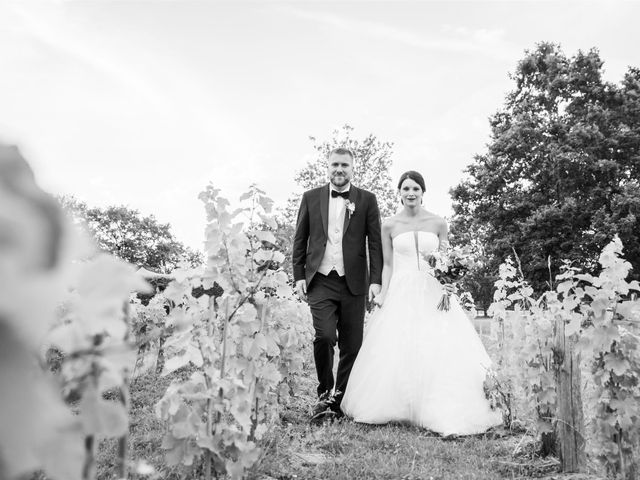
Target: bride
column 418, row 364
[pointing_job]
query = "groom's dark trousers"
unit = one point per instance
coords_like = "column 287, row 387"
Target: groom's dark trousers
column 337, row 303
column 335, row 309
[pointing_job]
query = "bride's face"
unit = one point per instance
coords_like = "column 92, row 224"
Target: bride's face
column 410, row 193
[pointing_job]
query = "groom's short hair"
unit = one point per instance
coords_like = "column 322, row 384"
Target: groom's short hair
column 342, row 151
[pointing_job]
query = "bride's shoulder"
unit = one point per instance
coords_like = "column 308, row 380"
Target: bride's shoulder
column 434, row 218
column 440, row 221
column 437, row 223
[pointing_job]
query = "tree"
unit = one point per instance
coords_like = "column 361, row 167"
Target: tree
column 125, row 233
column 562, row 173
column 371, row 170
column 479, row 283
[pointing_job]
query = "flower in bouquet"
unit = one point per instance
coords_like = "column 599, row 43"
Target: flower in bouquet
column 466, row 301
column 449, row 267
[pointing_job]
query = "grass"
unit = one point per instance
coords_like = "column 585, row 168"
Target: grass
column 352, row 451
column 145, row 430
column 293, row 449
column 347, row 450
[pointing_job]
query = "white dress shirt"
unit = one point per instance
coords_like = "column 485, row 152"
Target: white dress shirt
column 333, row 259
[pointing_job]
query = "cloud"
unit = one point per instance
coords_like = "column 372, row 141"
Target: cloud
column 479, row 35
column 452, row 39
column 152, row 84
column 55, row 33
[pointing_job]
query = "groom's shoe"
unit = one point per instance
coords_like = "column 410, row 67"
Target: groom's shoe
column 334, row 405
column 322, row 409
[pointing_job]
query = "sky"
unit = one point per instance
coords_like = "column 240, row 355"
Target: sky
column 144, row 103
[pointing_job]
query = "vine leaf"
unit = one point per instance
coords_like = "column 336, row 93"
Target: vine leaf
column 630, row 310
column 102, row 417
column 603, row 337
column 573, row 326
column 266, row 236
column 617, row 365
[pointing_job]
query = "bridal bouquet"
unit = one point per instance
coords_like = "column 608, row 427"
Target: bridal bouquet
column 448, row 268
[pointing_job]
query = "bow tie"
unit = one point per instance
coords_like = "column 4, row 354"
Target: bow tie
column 344, row 194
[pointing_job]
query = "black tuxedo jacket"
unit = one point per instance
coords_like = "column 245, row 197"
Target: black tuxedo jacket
column 360, row 227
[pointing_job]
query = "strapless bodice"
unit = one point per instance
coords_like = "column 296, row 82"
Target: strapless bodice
column 410, row 248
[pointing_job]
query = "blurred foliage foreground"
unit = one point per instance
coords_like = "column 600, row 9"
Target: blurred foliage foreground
column 244, row 340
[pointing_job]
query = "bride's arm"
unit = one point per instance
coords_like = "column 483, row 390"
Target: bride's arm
column 443, row 235
column 387, row 258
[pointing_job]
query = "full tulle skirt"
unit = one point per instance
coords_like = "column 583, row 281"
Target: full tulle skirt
column 420, row 365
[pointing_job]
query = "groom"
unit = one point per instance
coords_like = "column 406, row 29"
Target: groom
column 335, row 225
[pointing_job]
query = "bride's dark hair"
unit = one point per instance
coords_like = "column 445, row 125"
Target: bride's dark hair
column 413, row 175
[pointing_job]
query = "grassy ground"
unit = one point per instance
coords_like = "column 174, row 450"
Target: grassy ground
column 346, row 450
column 293, row 449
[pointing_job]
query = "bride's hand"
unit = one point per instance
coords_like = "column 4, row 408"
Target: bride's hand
column 378, row 299
column 374, row 291
column 449, row 288
column 430, row 259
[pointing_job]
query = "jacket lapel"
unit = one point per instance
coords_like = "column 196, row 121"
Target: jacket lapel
column 324, row 209
column 353, row 198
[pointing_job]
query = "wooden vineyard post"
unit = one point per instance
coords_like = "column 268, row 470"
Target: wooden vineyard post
column 570, row 424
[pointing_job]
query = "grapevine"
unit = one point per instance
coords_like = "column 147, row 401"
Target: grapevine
column 600, row 315
column 45, row 263
column 244, row 347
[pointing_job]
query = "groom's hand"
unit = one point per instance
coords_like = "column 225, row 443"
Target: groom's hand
column 374, row 291
column 301, row 289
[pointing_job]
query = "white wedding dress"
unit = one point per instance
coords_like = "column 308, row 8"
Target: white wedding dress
column 418, row 364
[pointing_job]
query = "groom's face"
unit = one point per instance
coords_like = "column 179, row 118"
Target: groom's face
column 340, row 169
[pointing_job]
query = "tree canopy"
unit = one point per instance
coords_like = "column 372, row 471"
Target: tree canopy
column 371, row 169
column 126, row 233
column 561, row 175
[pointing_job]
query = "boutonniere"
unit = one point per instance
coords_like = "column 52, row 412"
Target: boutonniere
column 351, row 207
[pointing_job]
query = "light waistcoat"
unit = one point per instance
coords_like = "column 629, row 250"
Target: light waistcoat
column 333, row 259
